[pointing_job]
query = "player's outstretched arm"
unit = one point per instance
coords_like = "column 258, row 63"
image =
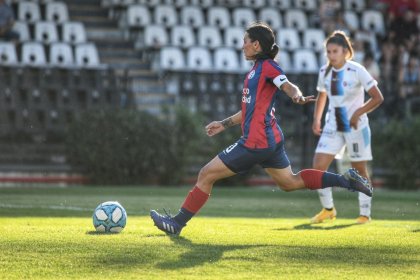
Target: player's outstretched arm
column 216, row 127
column 295, row 94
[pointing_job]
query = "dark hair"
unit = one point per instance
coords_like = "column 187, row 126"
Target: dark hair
column 261, row 32
column 340, row 38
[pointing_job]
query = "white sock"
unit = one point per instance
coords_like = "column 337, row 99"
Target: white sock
column 365, row 203
column 326, row 198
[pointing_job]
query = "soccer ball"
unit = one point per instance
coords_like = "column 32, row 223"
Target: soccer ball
column 109, row 216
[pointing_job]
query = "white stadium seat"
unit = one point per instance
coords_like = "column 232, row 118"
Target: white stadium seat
column 313, row 39
column 86, row 55
column 234, row 37
column 199, row 59
column 242, row 17
column 295, row 19
column 306, row 5
column 282, row 5
column 209, row 36
column 171, row 58
column 305, row 61
column 351, row 19
column 176, row 3
column 138, row 16
column 61, row 54
column 22, row 28
column 218, row 16
column 285, row 62
column 288, row 39
column 272, row 17
column 33, row 53
column 203, row 3
column 182, row 36
column 57, row 11
column 355, row 5
column 373, row 21
column 8, row 53
column 46, row 32
column 192, row 15
column 73, row 32
column 255, row 4
column 29, row 11
column 155, row 36
column 226, row 60
column 165, row 15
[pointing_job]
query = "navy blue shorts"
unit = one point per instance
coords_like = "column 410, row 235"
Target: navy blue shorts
column 240, row 159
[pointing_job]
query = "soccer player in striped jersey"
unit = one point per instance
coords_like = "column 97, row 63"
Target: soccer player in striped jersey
column 344, row 83
column 262, row 140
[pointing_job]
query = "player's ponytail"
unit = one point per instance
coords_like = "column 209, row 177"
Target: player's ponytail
column 261, row 32
column 340, row 38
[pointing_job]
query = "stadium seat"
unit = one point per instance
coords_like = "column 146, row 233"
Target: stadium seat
column 218, row 16
column 176, row 3
column 285, row 62
column 8, row 53
column 272, row 17
column 155, row 36
column 29, row 11
column 282, row 5
column 150, row 3
column 199, row 59
column 296, row 19
column 234, row 37
column 73, row 32
column 355, row 5
column 242, row 17
column 226, row 60
column 22, row 28
column 203, row 3
column 61, row 54
column 245, row 65
column 192, row 15
column 182, row 36
column 254, row 4
column 33, row 53
column 305, row 61
column 56, row 11
column 313, row 39
column 165, row 15
column 288, row 39
column 373, row 21
column 306, row 5
column 138, row 16
column 86, row 55
column 171, row 58
column 46, row 32
column 351, row 19
column 209, row 36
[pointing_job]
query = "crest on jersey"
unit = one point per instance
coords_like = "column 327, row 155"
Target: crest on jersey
column 251, row 74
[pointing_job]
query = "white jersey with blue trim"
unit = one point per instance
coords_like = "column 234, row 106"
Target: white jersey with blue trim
column 345, row 88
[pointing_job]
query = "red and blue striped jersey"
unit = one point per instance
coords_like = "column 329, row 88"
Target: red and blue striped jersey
column 259, row 125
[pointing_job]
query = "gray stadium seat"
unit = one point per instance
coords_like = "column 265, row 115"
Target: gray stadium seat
column 272, row 17
column 313, row 39
column 203, row 3
column 155, row 36
column 226, row 60
column 218, row 16
column 351, row 19
column 355, row 5
column 182, row 36
column 234, row 37
column 285, row 62
column 373, row 20
column 176, row 3
column 288, row 39
column 209, row 36
column 295, row 18
column 306, row 5
column 192, row 15
column 305, row 61
column 255, row 4
column 242, row 17
column 282, row 5
column 165, row 15
column 22, row 28
column 86, row 55
column 138, row 16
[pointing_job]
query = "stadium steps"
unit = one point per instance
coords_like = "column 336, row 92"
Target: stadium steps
column 118, row 51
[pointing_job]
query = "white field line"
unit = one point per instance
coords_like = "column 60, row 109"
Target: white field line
column 53, row 207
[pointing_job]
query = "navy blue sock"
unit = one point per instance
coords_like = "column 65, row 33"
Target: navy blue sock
column 334, row 180
column 183, row 216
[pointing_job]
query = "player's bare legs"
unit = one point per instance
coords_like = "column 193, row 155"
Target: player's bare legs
column 212, row 172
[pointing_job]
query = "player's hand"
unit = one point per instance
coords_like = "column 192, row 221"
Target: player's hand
column 316, row 127
column 354, row 121
column 300, row 99
column 214, row 128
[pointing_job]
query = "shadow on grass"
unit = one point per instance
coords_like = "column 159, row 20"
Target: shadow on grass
column 94, row 232
column 318, row 227
column 199, row 254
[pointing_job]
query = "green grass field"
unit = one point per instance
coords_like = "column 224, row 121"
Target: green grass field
column 242, row 233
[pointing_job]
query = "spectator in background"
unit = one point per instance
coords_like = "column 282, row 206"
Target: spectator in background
column 404, row 28
column 398, row 8
column 409, row 77
column 7, row 19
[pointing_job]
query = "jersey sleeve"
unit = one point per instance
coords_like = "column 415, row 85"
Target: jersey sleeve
column 366, row 78
column 273, row 72
column 320, row 86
